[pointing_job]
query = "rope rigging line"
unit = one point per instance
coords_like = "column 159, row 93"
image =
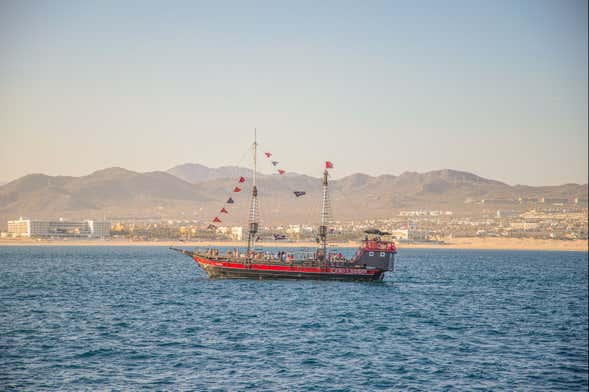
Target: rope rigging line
column 301, row 192
column 277, row 167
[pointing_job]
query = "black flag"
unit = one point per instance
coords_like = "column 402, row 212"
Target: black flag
column 230, row 201
column 299, row 193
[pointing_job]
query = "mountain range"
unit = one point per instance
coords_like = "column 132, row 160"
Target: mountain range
column 194, row 191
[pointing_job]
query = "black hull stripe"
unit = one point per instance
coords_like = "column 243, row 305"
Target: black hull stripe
column 221, row 272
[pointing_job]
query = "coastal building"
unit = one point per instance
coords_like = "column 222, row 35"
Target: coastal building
column 409, row 233
column 59, row 228
column 237, row 233
column 524, row 225
column 293, row 229
column 400, row 234
column 223, row 230
column 498, row 201
column 413, row 213
column 425, row 213
column 553, row 200
column 99, row 229
column 506, row 213
column 19, row 228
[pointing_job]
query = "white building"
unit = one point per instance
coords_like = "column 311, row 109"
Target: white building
column 401, row 234
column 237, row 233
column 409, row 233
column 425, row 213
column 223, row 230
column 524, row 225
column 294, row 229
column 99, row 229
column 19, row 228
column 59, row 228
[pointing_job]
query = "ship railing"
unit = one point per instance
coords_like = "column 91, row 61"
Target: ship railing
column 241, row 255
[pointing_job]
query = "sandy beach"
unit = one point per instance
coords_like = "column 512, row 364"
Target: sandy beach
column 454, row 243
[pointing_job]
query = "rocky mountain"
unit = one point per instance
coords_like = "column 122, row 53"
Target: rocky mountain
column 194, row 191
column 194, row 172
column 108, row 192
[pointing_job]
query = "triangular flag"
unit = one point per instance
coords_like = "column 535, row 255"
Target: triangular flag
column 212, row 227
column 237, row 189
column 299, row 193
column 268, row 155
column 230, row 201
column 224, row 211
column 217, row 220
column 328, row 165
column 281, row 172
column 274, row 163
column 241, row 179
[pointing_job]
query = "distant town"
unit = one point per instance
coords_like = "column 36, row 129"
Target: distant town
column 548, row 219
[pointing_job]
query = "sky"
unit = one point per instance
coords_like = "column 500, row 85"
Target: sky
column 497, row 88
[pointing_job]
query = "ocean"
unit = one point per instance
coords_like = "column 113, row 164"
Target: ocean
column 127, row 318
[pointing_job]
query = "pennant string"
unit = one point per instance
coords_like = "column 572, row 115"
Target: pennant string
column 281, row 171
column 241, row 180
column 237, row 188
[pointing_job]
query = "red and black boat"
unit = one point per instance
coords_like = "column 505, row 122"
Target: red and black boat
column 374, row 257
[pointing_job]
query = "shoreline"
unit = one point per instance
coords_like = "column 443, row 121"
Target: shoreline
column 454, row 243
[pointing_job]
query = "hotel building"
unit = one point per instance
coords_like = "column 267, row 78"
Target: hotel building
column 59, row 228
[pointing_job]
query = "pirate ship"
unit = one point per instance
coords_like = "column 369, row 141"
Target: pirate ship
column 374, row 257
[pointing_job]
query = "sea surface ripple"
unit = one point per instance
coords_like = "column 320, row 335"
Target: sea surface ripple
column 127, row 318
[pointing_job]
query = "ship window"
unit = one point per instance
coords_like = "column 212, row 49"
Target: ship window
column 371, row 254
column 382, row 254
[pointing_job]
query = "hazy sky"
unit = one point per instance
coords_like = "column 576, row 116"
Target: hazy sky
column 498, row 88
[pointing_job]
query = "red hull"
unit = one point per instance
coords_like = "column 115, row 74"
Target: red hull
column 257, row 270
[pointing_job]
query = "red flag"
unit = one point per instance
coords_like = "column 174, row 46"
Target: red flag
column 237, row 189
column 241, row 179
column 328, row 165
column 217, row 220
column 224, row 211
column 268, row 155
column 281, row 172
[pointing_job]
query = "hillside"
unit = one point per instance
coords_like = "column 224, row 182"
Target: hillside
column 194, row 172
column 108, row 192
column 197, row 192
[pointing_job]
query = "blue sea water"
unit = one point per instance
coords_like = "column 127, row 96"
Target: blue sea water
column 121, row 318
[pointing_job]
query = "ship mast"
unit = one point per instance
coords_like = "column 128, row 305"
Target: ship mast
column 324, row 216
column 253, row 217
